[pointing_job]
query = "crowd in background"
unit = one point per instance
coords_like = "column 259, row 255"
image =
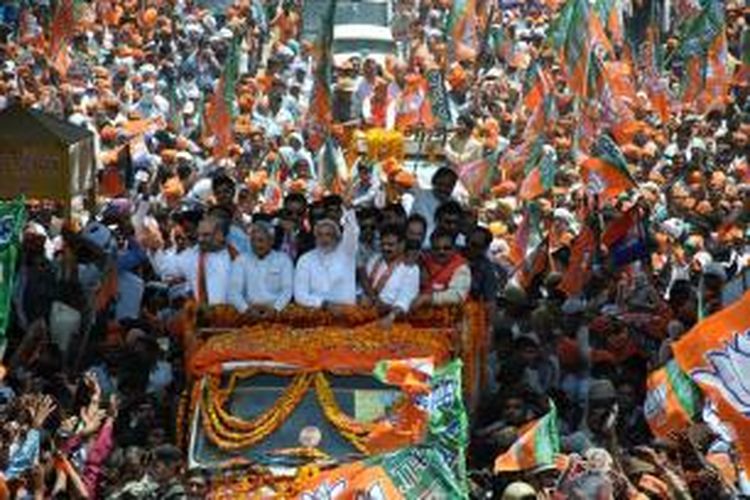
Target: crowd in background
column 90, row 375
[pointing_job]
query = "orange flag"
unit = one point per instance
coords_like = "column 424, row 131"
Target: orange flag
column 408, row 424
column 716, row 355
column 62, row 29
column 219, row 119
column 581, row 257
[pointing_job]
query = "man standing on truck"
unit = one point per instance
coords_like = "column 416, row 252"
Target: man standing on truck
column 326, row 276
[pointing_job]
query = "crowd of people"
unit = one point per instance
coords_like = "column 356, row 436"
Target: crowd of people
column 91, row 372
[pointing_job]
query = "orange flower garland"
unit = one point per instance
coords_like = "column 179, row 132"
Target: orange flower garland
column 354, row 432
column 232, row 433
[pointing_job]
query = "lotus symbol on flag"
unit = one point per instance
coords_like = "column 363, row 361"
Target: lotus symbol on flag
column 729, row 372
column 339, row 488
column 326, row 491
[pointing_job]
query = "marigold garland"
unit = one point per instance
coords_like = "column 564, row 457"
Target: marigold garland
column 382, row 144
column 335, row 349
column 352, row 430
column 296, row 316
column 229, row 432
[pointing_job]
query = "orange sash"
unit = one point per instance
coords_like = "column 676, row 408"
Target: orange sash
column 439, row 275
column 379, row 280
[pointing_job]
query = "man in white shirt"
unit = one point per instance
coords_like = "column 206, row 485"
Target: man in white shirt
column 390, row 283
column 365, row 86
column 325, row 276
column 266, row 274
column 463, row 147
column 208, row 266
column 427, row 201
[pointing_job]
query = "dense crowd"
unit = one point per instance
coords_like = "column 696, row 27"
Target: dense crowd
column 91, row 372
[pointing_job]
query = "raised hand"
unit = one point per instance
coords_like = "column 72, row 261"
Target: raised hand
column 41, row 409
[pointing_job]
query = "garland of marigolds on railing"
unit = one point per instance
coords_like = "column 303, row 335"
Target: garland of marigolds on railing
column 353, row 431
column 295, row 316
column 232, row 433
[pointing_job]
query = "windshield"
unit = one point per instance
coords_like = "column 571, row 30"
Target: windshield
column 372, row 46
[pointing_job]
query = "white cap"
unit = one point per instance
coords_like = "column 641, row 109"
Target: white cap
column 147, row 69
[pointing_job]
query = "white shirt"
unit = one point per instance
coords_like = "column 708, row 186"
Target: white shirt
column 329, row 276
column 166, row 263
column 268, row 281
column 425, row 204
column 401, row 287
column 222, row 284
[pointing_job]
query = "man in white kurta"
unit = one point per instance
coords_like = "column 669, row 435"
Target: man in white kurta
column 266, row 283
column 208, row 266
column 325, row 276
column 392, row 284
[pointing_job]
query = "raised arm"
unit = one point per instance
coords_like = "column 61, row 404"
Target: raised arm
column 350, row 234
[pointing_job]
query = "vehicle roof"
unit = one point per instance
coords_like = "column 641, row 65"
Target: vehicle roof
column 362, row 32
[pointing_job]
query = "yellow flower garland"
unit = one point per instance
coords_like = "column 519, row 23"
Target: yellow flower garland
column 353, row 431
column 229, row 432
column 382, row 144
column 232, row 433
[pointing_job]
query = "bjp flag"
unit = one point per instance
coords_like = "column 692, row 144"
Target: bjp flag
column 538, row 444
column 672, row 400
column 716, row 355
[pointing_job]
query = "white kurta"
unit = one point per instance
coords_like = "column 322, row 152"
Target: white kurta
column 222, row 285
column 402, row 286
column 330, row 276
column 267, row 282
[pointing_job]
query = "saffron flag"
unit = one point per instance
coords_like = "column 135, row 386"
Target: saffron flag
column 625, row 238
column 702, row 53
column 672, row 400
column 320, row 110
column 462, row 26
column 414, row 472
column 656, row 87
column 219, row 120
column 538, row 444
column 221, row 106
column 12, row 220
column 61, row 31
column 479, row 175
column 581, row 257
column 523, row 235
column 540, row 177
column 436, row 468
column 411, row 375
column 716, row 356
column 610, row 10
column 606, row 171
column 569, row 36
column 538, row 84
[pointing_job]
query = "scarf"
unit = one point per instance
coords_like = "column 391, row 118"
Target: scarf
column 439, row 275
